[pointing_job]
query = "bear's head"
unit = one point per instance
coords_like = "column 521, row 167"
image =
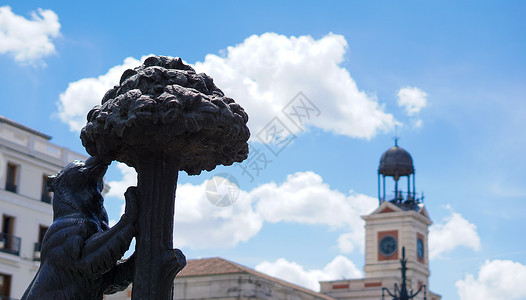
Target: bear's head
column 78, row 188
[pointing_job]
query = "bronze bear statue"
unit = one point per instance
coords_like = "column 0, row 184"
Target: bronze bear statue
column 80, row 253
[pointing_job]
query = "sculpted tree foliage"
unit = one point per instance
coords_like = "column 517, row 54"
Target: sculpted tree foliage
column 164, row 117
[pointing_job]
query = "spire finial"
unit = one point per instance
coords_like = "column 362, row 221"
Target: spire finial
column 396, row 137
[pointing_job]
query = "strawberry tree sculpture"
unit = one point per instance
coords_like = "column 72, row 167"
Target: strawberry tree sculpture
column 163, row 117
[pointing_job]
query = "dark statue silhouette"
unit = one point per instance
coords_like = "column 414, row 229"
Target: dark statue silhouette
column 163, row 117
column 79, row 252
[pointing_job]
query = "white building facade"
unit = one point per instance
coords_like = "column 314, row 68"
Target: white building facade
column 27, row 157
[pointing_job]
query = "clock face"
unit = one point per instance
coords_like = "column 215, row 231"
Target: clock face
column 420, row 248
column 388, row 245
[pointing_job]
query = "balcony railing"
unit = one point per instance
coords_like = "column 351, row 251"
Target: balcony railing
column 10, row 187
column 9, row 244
column 37, row 251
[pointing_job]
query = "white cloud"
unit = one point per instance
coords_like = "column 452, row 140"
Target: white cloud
column 265, row 72
column 349, row 241
column 412, row 99
column 305, row 198
column 340, row 267
column 302, row 198
column 129, row 178
column 28, row 40
column 199, row 224
column 80, row 96
column 454, row 231
column 497, row 279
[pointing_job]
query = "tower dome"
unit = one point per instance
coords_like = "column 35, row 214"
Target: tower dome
column 396, row 162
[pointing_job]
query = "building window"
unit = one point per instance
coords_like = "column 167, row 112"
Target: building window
column 8, row 223
column 8, row 242
column 11, row 177
column 38, row 245
column 420, row 248
column 5, row 286
column 46, row 193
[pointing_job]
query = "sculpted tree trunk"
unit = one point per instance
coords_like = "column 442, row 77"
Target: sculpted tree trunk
column 162, row 118
column 157, row 262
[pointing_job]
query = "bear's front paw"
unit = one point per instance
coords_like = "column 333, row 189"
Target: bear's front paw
column 174, row 262
column 132, row 197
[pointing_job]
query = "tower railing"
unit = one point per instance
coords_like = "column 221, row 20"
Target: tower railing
column 401, row 197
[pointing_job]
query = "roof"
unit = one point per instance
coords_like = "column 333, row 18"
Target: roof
column 389, row 207
column 210, row 266
column 221, row 266
column 396, row 161
column 23, row 127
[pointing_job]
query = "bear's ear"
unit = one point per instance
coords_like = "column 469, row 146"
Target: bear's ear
column 49, row 183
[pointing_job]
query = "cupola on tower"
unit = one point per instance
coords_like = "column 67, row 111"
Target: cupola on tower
column 396, row 163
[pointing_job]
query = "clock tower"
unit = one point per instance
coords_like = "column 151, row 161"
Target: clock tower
column 400, row 221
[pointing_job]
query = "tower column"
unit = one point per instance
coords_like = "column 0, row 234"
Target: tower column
column 379, row 195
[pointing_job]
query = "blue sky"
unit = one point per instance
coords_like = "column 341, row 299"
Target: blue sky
column 459, row 67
